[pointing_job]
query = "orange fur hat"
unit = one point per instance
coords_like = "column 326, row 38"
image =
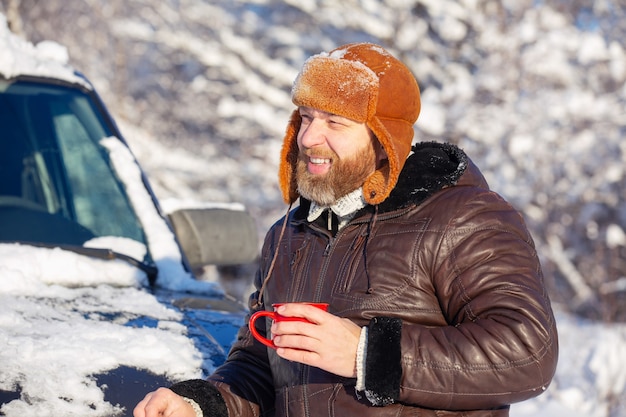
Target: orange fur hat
column 365, row 83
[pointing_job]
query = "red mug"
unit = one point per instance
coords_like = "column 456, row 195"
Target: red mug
column 277, row 318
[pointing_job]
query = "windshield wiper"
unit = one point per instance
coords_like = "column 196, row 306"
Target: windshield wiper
column 104, row 253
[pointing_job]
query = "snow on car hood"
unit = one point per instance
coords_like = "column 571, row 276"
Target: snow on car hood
column 63, row 319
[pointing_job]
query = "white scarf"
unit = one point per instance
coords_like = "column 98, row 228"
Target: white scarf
column 345, row 208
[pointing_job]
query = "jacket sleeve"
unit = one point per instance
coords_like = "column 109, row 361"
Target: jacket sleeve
column 243, row 385
column 500, row 342
column 245, row 379
column 204, row 394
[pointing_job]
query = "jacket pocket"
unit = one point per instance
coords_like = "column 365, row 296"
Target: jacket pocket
column 350, row 263
column 380, row 267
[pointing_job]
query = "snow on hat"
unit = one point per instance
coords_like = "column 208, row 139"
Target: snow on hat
column 365, row 83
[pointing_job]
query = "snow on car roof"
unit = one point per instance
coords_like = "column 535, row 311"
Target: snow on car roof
column 46, row 59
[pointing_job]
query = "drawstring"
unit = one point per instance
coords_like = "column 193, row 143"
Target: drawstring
column 370, row 228
column 259, row 300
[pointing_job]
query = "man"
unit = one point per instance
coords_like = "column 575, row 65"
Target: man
column 436, row 300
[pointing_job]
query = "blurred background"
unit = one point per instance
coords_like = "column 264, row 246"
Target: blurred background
column 533, row 90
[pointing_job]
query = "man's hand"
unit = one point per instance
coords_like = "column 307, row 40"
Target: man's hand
column 163, row 403
column 328, row 342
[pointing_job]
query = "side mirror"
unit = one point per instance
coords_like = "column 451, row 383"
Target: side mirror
column 216, row 236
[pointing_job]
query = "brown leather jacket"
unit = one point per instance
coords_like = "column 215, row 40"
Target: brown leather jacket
column 444, row 273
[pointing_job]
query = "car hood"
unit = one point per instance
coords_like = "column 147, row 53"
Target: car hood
column 85, row 336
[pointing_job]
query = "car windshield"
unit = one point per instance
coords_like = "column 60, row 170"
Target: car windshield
column 57, row 185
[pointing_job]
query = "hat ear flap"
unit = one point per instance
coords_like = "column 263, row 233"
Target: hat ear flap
column 289, row 159
column 375, row 188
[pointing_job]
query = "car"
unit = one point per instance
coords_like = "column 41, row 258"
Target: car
column 101, row 299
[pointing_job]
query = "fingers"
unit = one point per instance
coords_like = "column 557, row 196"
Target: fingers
column 328, row 343
column 302, row 342
column 301, row 356
column 163, row 402
column 309, row 312
column 336, row 357
column 304, row 335
column 140, row 408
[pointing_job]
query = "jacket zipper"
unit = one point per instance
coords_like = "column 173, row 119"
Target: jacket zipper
column 331, row 240
column 327, row 250
column 328, row 247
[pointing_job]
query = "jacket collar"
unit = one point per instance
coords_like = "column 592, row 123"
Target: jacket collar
column 431, row 167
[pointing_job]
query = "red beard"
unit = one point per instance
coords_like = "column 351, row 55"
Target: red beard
column 344, row 176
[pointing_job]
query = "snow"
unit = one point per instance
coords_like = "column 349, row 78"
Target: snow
column 30, row 271
column 63, row 318
column 161, row 240
column 58, row 336
column 52, row 301
column 18, row 56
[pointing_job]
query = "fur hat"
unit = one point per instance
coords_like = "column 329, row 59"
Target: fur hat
column 365, row 83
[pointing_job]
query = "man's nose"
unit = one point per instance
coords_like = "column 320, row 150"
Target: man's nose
column 313, row 134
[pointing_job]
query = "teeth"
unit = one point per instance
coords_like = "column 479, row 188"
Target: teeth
column 320, row 161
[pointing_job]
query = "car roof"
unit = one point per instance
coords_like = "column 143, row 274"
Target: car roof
column 45, row 60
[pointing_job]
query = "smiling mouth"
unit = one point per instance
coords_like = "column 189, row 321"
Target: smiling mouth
column 319, row 161
column 318, row 165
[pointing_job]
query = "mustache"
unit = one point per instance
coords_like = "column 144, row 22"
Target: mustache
column 317, row 153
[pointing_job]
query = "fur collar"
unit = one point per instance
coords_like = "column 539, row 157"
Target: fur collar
column 430, row 167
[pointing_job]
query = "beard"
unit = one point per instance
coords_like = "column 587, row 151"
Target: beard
column 344, row 176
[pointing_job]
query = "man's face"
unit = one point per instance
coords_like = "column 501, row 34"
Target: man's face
column 336, row 156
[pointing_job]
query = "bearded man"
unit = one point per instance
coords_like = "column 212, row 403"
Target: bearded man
column 436, row 301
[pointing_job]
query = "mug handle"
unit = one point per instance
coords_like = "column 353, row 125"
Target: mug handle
column 254, row 331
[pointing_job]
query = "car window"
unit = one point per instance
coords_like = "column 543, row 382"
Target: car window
column 56, row 181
